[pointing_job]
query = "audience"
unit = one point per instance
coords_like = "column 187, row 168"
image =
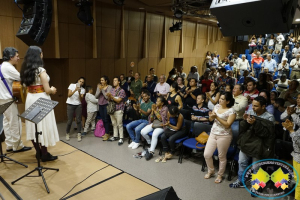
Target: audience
column 290, row 94
column 150, row 86
column 193, row 73
column 152, row 73
column 173, row 98
column 256, row 64
column 136, row 86
column 162, row 88
column 269, row 106
column 191, row 93
column 181, row 87
column 92, row 109
column 212, row 97
column 279, row 40
column 200, row 110
column 242, row 65
column 223, row 80
column 251, row 92
column 282, row 84
column 269, row 64
column 241, row 102
column 205, row 81
column 286, row 54
column 295, row 65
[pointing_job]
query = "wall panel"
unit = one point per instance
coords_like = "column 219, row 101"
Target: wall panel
column 76, row 41
column 76, row 69
column 64, row 40
column 108, row 43
column 93, row 72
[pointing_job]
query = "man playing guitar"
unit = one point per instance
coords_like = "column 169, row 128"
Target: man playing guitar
column 11, row 123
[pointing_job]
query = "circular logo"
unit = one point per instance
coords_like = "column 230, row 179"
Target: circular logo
column 270, row 179
column 132, row 64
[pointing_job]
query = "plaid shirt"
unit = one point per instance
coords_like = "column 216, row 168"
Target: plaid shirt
column 121, row 94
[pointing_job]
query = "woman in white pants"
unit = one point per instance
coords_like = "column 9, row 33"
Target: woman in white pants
column 160, row 113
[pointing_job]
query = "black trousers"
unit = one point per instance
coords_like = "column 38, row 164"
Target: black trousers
column 172, row 136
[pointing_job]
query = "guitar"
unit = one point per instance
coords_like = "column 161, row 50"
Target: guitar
column 19, row 92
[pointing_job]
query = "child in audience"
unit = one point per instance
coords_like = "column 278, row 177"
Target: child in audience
column 229, row 88
column 92, row 109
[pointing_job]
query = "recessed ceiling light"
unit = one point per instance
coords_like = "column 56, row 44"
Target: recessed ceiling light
column 297, row 20
column 141, row 8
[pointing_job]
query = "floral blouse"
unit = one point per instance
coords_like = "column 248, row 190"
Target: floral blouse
column 161, row 115
column 218, row 128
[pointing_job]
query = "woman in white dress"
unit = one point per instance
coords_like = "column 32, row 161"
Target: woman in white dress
column 34, row 76
column 212, row 97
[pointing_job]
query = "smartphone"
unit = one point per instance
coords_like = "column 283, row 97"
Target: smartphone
column 77, row 84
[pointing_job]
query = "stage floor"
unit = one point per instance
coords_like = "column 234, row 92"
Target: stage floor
column 74, row 167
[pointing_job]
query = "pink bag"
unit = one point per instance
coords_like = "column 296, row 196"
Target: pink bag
column 100, row 130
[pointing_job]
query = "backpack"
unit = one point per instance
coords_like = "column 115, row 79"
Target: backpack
column 111, row 106
column 99, row 130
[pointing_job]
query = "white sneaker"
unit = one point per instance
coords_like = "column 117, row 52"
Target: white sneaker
column 67, row 136
column 136, row 145
column 131, row 144
column 78, row 137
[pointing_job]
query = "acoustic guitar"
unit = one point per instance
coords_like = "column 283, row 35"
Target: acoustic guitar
column 19, row 92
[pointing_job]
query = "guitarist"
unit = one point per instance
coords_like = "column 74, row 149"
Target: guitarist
column 11, row 123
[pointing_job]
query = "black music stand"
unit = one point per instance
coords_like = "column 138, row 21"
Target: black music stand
column 36, row 113
column 3, row 157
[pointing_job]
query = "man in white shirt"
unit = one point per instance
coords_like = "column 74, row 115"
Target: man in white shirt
column 162, row 88
column 12, row 124
column 269, row 64
column 242, row 65
column 295, row 50
column 283, row 68
column 213, row 62
column 241, row 102
column 279, row 40
column 295, row 65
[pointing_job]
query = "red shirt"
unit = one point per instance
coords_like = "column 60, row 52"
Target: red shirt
column 257, row 60
column 252, row 96
column 206, row 85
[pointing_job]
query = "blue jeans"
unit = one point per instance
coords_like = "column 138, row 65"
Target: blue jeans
column 243, row 164
column 104, row 116
column 136, row 126
column 257, row 72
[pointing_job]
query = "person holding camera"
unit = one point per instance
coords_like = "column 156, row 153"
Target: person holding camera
column 252, row 44
column 76, row 92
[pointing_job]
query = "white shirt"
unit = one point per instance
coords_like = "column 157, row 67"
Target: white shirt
column 74, row 99
column 92, row 103
column 280, row 39
column 240, row 106
column 295, row 51
column 243, row 65
column 284, row 68
column 10, row 74
column 283, row 55
column 162, row 89
column 295, row 64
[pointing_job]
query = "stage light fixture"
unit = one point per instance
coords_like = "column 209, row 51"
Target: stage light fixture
column 119, row 2
column 176, row 27
column 84, row 14
column 178, row 14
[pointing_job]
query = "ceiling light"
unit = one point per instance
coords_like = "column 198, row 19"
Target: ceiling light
column 297, row 20
column 119, row 2
column 178, row 14
column 141, row 8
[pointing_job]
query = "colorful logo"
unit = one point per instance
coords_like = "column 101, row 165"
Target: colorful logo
column 270, row 178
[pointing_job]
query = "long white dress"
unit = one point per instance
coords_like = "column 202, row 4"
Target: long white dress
column 48, row 125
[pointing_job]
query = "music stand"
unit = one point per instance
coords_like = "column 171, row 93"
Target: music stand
column 3, row 157
column 36, row 113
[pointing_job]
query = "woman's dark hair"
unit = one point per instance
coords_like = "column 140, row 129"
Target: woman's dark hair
column 83, row 82
column 173, row 71
column 32, row 61
column 217, row 89
column 264, row 77
column 181, row 79
column 106, row 79
column 119, row 80
column 228, row 97
column 173, row 110
column 280, row 101
column 275, row 92
column 163, row 100
column 88, row 88
column 175, row 86
column 151, row 69
column 222, row 70
column 262, row 101
column 9, row 52
column 231, row 86
column 268, row 95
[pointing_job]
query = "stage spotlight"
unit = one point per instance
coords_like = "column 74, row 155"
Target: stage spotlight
column 84, row 14
column 178, row 14
column 176, row 27
column 119, row 2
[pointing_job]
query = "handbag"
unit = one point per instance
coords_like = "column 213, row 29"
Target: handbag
column 111, row 106
column 202, row 139
column 157, row 124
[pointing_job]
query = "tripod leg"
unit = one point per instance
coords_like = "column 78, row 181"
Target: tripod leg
column 23, row 176
column 47, row 168
column 44, row 180
column 15, row 161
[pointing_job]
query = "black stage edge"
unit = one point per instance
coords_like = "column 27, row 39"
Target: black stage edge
column 10, row 189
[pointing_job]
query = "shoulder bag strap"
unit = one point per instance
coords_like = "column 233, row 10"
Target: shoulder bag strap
column 4, row 81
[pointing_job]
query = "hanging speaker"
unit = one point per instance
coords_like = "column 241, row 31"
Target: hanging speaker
column 36, row 23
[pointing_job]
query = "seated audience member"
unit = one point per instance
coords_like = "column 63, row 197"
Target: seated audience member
column 134, row 128
column 269, row 106
column 269, row 64
column 173, row 98
column 150, row 86
column 200, row 110
column 157, row 118
column 241, row 102
column 290, row 94
column 152, row 73
column 130, row 77
column 124, row 85
column 235, row 60
column 205, row 81
column 271, row 42
column 181, row 73
column 220, row 136
column 282, row 83
column 295, row 65
column 256, row 138
column 252, row 75
column 283, row 68
column 213, row 74
column 223, row 80
column 279, row 109
column 242, row 65
column 207, row 59
column 273, row 96
column 262, row 83
column 256, row 64
column 172, row 76
column 229, row 88
column 296, row 50
column 181, row 87
column 293, row 112
column 224, row 62
column 251, row 92
column 212, row 97
column 265, row 52
column 260, row 42
column 214, row 61
column 291, row 41
column 140, row 100
column 191, row 94
column 193, row 74
column 175, row 129
column 162, row 88
column 230, row 74
column 286, row 54
column 270, row 81
column 252, row 44
column 136, row 86
column 294, row 134
column 246, row 76
column 229, row 66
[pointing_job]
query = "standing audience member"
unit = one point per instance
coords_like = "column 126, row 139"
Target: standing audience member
column 191, row 94
column 291, row 41
column 229, row 54
column 181, row 73
column 279, row 40
column 242, row 65
column 172, row 76
column 214, row 61
column 193, row 73
column 117, row 94
column 260, row 42
column 75, row 95
column 269, row 64
column 157, row 118
column 286, row 54
column 152, row 73
column 271, row 42
column 220, row 136
column 150, row 86
column 205, row 81
column 92, row 108
column 124, row 85
column 252, row 44
column 223, row 80
column 173, row 98
column 162, row 88
column 181, row 87
column 295, row 65
column 256, row 64
column 136, row 86
column 265, row 52
column 290, row 94
column 130, row 77
column 241, row 102
column 212, row 97
column 134, row 128
column 101, row 94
